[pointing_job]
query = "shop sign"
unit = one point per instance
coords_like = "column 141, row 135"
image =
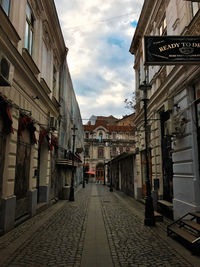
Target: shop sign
column 172, row 50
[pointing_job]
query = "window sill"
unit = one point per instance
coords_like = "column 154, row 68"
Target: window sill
column 8, row 28
column 29, row 61
column 45, row 86
column 55, row 102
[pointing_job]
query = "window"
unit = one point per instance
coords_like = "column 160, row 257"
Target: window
column 100, row 137
column 54, row 80
column 195, row 8
column 29, row 30
column 121, row 150
column 86, row 150
column 100, row 152
column 46, row 63
column 114, row 151
column 55, row 83
column 5, row 5
column 163, row 27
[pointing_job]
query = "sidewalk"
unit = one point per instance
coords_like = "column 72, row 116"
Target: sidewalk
column 99, row 228
column 96, row 251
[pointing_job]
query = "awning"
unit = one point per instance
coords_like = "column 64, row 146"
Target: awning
column 90, row 172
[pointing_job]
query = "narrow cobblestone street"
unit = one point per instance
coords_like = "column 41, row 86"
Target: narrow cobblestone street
column 65, row 235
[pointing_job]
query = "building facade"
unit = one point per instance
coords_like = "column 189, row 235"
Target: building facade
column 106, row 138
column 173, row 108
column 32, row 72
column 69, row 117
column 122, row 172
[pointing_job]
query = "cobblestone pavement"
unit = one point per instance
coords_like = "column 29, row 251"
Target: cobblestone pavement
column 57, row 242
column 56, row 236
column 132, row 243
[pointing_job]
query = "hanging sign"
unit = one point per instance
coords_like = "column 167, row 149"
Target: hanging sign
column 172, row 50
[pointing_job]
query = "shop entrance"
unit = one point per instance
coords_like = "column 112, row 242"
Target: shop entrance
column 100, row 172
column 167, row 164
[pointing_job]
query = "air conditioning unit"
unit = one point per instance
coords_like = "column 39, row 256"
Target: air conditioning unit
column 4, row 70
column 53, row 123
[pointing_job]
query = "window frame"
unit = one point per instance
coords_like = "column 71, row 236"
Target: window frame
column 193, row 8
column 29, row 29
column 2, row 2
column 100, row 152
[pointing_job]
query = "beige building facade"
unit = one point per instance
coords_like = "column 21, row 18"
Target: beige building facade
column 32, row 72
column 106, row 138
column 173, row 109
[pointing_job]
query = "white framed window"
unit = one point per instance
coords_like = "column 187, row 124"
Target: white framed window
column 100, row 137
column 46, row 63
column 5, row 4
column 29, row 30
column 195, row 8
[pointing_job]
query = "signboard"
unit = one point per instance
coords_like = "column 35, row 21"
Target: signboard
column 172, row 50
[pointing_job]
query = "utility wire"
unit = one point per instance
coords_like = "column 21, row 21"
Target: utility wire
column 100, row 21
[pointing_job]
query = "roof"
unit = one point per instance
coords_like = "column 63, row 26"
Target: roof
column 110, row 128
column 142, row 22
column 110, row 123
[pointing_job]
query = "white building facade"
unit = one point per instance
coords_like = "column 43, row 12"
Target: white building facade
column 173, row 108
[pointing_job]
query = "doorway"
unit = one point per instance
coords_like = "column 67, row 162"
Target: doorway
column 22, row 174
column 100, row 172
column 167, row 164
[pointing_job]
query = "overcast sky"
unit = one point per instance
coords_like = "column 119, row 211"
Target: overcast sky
column 98, row 34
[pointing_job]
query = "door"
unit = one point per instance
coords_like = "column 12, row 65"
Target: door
column 167, row 169
column 167, row 163
column 100, row 172
column 22, row 174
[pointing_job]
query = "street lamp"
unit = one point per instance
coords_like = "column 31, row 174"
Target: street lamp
column 149, row 211
column 111, row 186
column 110, row 173
column 104, row 180
column 71, row 194
column 84, row 173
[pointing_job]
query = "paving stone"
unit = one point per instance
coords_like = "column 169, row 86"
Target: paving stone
column 56, row 236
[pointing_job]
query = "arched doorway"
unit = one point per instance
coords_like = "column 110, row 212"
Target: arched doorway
column 100, row 172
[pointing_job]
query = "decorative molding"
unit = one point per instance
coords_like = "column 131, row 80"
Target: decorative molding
column 37, row 7
column 175, row 24
column 194, row 27
column 47, row 34
column 55, row 102
column 7, row 27
column 29, row 61
column 45, row 86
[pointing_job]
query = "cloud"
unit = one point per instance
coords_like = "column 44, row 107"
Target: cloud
column 98, row 34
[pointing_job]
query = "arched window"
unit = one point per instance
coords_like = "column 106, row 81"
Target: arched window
column 100, row 137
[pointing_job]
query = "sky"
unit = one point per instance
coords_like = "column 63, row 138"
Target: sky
column 98, row 34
